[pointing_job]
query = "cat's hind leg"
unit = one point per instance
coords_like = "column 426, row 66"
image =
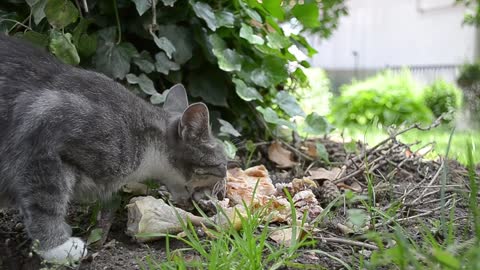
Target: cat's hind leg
column 44, row 198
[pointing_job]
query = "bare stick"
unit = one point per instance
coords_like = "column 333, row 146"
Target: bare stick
column 348, row 242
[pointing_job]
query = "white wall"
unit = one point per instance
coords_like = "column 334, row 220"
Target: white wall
column 397, row 33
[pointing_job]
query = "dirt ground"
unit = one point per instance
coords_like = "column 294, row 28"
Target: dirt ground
column 397, row 173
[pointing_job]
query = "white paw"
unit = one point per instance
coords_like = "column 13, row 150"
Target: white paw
column 72, row 250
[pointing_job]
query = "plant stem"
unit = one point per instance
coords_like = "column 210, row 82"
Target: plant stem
column 117, row 17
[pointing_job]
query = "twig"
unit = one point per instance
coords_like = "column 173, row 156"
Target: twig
column 348, row 242
column 298, row 152
column 85, row 6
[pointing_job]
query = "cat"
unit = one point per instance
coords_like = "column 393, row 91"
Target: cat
column 68, row 133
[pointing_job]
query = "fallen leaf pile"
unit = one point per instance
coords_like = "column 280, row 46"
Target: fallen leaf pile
column 149, row 218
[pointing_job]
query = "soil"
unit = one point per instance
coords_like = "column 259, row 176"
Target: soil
column 402, row 171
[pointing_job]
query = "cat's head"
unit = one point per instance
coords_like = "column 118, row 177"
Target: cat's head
column 197, row 156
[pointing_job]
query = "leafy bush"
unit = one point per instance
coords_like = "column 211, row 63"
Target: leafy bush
column 384, row 99
column 442, row 97
column 227, row 53
column 469, row 75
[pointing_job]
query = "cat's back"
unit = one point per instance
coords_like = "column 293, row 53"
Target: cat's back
column 23, row 63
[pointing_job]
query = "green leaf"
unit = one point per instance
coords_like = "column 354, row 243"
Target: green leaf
column 164, row 44
column 95, row 235
column 250, row 12
column 246, row 32
column 145, row 62
column 61, row 13
column 288, row 104
column 210, row 84
column 270, row 116
column 316, row 124
column 62, row 47
column 228, row 59
column 159, row 98
column 142, row 6
column 182, row 39
column 38, row 9
column 272, row 72
column 228, row 129
column 274, row 7
column 304, row 43
column 205, row 12
column 230, row 149
column 245, row 92
column 163, row 64
column 307, row 14
column 322, row 152
column 36, row 38
column 86, row 44
column 250, row 146
column 224, row 19
column 113, row 59
column 357, row 217
column 169, row 3
column 350, row 147
column 143, row 82
column 277, row 41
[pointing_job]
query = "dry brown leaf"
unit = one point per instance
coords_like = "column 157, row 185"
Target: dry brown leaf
column 344, row 229
column 241, row 185
column 147, row 215
column 354, row 187
column 281, row 156
column 284, row 236
column 310, row 149
column 321, row 173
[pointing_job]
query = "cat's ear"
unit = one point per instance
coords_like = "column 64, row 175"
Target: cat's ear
column 194, row 124
column 176, row 100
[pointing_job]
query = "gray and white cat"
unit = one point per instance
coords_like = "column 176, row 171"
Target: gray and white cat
column 69, row 133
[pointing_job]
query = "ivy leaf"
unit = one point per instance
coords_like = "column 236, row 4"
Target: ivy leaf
column 224, row 18
column 142, row 5
column 228, row 59
column 228, row 129
column 213, row 91
column 169, row 3
column 113, row 59
column 304, row 43
column 143, row 82
column 230, row 149
column 38, row 9
column 316, row 124
column 288, row 104
column 164, row 44
column 205, row 12
column 246, row 32
column 250, row 12
column 245, row 92
column 322, row 152
column 272, row 71
column 144, row 62
column 86, row 44
column 36, row 38
column 270, row 116
column 277, row 41
column 181, row 38
column 307, row 14
column 61, row 13
column 163, row 64
column 62, row 47
column 274, row 7
column 159, row 98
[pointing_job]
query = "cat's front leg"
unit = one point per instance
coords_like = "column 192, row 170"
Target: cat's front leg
column 44, row 201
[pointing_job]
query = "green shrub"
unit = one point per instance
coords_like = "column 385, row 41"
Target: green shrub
column 227, row 53
column 442, row 97
column 384, row 99
column 469, row 75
